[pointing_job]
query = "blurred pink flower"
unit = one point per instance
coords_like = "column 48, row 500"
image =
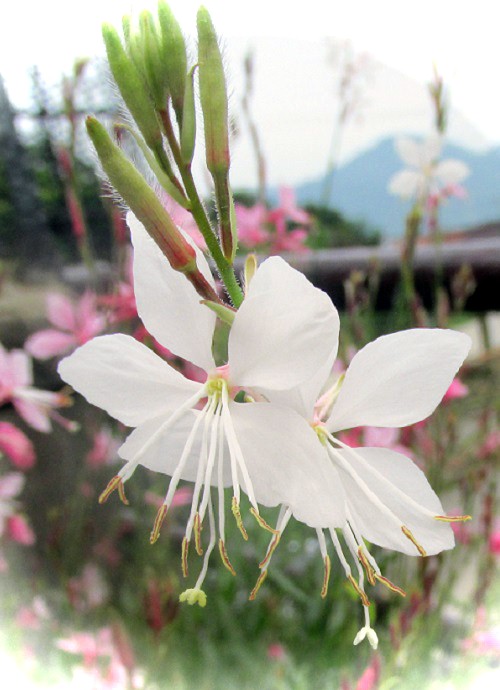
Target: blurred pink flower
column 33, row 616
column 88, row 591
column 182, row 497
column 121, row 303
column 250, row 222
column 462, row 531
column 375, row 437
column 88, row 645
column 491, row 443
column 34, row 405
column 457, row 389
column 483, row 641
column 494, row 542
column 369, row 678
column 104, row 449
column 276, row 652
column 184, row 220
column 19, row 530
column 17, row 446
column 74, row 326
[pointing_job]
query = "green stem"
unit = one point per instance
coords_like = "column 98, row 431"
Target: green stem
column 224, row 268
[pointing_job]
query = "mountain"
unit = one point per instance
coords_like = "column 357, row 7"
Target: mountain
column 359, row 189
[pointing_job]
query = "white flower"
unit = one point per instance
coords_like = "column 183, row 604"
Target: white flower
column 282, row 329
column 395, row 381
column 425, row 174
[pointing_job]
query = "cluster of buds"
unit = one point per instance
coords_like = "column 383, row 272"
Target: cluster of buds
column 151, row 69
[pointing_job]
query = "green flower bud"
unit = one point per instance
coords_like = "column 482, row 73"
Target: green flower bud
column 213, row 95
column 152, row 56
column 145, row 205
column 174, row 57
column 132, row 89
column 188, row 127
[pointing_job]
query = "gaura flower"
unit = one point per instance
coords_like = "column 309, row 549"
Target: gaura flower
column 37, row 407
column 426, row 175
column 282, row 329
column 16, row 446
column 395, row 381
column 74, row 325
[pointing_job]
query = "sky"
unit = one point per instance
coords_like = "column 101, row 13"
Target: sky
column 404, row 40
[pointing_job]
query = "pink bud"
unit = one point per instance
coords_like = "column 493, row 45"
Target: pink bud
column 19, row 530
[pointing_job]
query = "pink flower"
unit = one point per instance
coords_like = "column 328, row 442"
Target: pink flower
column 121, row 302
column 457, row 389
column 491, row 443
column 34, row 405
column 276, row 652
column 74, row 326
column 104, row 449
column 494, row 543
column 19, row 530
column 185, row 221
column 250, row 223
column 88, row 645
column 462, row 531
column 182, row 497
column 89, row 590
column 33, row 616
column 16, row 446
column 369, row 679
column 375, row 437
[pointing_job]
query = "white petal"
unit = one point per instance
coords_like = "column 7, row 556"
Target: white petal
column 125, row 378
column 430, row 151
column 398, row 379
column 284, row 331
column 164, row 452
column 303, row 398
column 451, row 171
column 398, row 483
column 409, row 151
column 407, row 184
column 168, row 304
column 287, row 464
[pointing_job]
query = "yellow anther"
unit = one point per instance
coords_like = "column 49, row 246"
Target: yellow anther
column 225, row 558
column 194, row 596
column 115, row 483
column 160, row 517
column 271, row 549
column 197, row 527
column 453, row 518
column 385, row 581
column 361, row 592
column 184, row 558
column 262, row 522
column 410, row 536
column 326, row 576
column 258, row 585
column 237, row 516
column 370, row 572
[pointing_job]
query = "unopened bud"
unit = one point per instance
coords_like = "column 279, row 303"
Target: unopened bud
column 146, row 206
column 152, row 56
column 132, row 88
column 173, row 56
column 213, row 95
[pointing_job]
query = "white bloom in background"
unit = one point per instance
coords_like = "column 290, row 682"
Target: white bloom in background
column 395, row 381
column 196, row 431
column 425, row 175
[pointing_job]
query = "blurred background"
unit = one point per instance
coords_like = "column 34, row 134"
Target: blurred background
column 366, row 149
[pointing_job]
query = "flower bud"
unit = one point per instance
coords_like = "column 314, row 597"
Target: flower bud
column 146, row 206
column 132, row 88
column 213, row 96
column 174, row 58
column 150, row 45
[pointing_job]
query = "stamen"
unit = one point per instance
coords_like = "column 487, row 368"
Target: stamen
column 270, row 550
column 359, row 591
column 197, row 527
column 340, row 553
column 326, row 577
column 262, row 522
column 211, row 461
column 115, row 483
column 225, row 558
column 184, row 557
column 210, row 547
column 237, row 516
column 194, row 596
column 410, row 536
column 453, row 518
column 370, row 572
column 258, row 585
column 371, row 470
column 160, row 517
column 394, row 588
